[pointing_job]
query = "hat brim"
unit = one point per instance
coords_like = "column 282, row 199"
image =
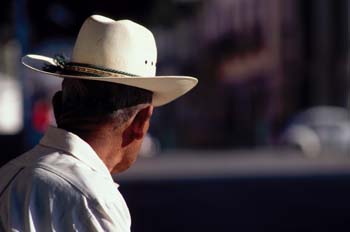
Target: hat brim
column 165, row 88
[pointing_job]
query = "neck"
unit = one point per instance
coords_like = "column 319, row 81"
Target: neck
column 107, row 145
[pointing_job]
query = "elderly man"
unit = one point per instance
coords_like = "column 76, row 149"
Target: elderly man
column 102, row 114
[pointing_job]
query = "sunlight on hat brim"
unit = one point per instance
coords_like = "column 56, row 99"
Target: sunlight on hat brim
column 165, row 88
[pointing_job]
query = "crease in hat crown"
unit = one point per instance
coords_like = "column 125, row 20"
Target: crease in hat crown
column 120, row 45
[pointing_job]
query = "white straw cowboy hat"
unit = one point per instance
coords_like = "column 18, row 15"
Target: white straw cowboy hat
column 121, row 52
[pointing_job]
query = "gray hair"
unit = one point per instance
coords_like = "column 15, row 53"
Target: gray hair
column 123, row 115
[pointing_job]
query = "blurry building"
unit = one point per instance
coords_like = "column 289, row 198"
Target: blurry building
column 233, row 46
column 259, row 63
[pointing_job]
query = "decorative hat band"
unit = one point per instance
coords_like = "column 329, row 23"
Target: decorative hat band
column 63, row 66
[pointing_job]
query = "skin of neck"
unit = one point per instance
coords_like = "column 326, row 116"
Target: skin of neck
column 107, row 144
column 118, row 146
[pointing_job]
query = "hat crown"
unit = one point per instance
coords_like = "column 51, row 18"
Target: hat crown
column 120, row 45
column 115, row 51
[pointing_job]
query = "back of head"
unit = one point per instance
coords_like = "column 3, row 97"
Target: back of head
column 86, row 102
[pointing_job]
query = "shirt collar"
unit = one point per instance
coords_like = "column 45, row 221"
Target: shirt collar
column 66, row 141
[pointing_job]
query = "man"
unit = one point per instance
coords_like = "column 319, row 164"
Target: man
column 102, row 114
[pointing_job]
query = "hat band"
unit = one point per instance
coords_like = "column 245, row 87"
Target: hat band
column 94, row 70
column 62, row 66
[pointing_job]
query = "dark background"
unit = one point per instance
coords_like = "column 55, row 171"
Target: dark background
column 260, row 64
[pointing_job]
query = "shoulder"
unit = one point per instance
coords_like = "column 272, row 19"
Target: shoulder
column 68, row 172
column 55, row 169
column 91, row 199
column 53, row 202
column 52, row 185
column 59, row 189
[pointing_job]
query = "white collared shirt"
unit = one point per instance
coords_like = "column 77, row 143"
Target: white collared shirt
column 60, row 185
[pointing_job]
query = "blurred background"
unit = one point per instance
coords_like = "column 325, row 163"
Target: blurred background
column 261, row 144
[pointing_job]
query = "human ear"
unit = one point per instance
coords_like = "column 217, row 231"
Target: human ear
column 138, row 127
column 140, row 122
